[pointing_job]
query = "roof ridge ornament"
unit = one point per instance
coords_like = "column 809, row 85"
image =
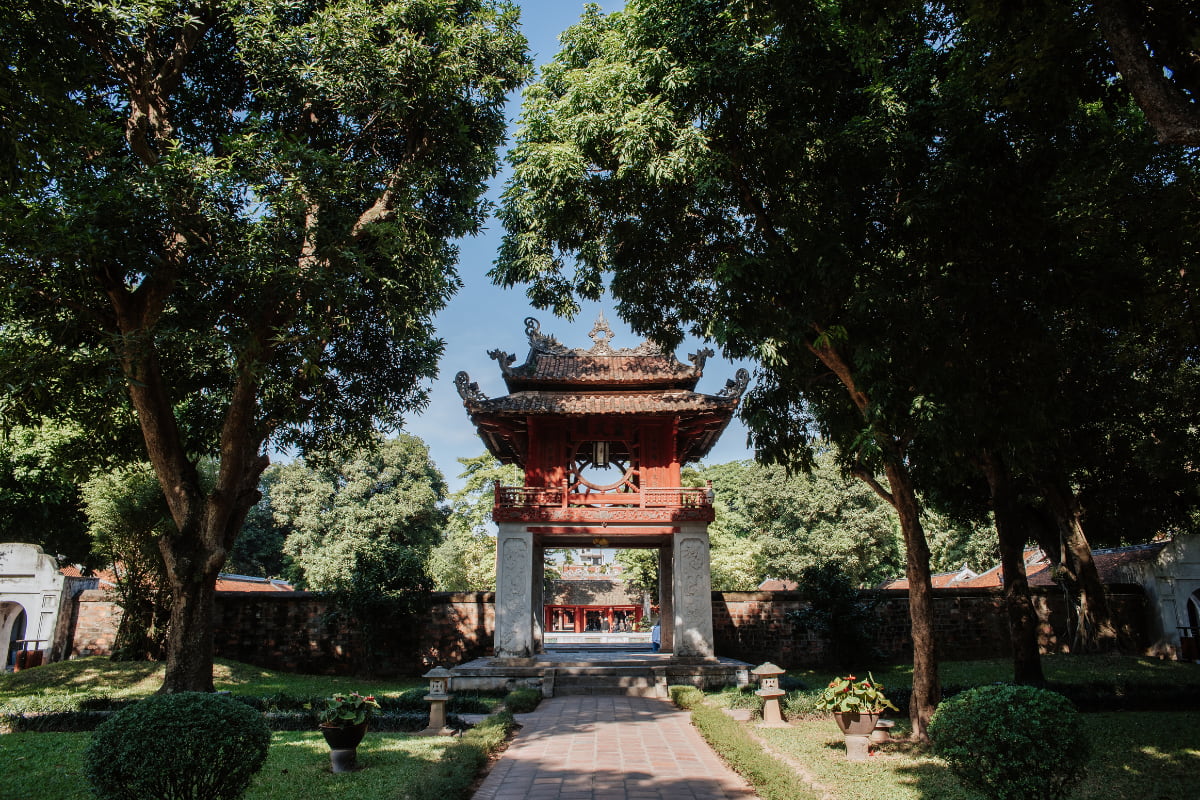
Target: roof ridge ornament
column 543, row 342
column 736, row 386
column 505, row 360
column 601, row 346
column 699, row 358
column 467, row 389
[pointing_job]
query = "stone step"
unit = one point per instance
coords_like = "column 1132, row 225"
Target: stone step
column 626, row 691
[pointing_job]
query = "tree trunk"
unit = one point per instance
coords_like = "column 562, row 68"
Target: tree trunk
column 1096, row 632
column 1022, row 618
column 927, row 689
column 901, row 496
column 194, row 559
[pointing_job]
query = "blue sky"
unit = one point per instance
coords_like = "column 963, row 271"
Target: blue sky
column 482, row 316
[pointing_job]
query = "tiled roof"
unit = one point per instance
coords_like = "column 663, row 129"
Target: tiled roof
column 617, row 369
column 1110, row 564
column 225, row 582
column 246, row 583
column 568, row 403
column 778, row 585
column 940, row 580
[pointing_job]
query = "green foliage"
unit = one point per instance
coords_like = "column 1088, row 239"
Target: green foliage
column 686, row 696
column 127, row 515
column 522, row 701
column 771, row 779
column 770, row 523
column 452, row 777
column 246, row 252
column 465, row 559
column 836, row 612
column 849, row 695
column 258, row 550
column 183, row 746
column 998, row 740
column 347, row 710
column 40, row 501
column 639, row 570
column 362, row 529
column 369, row 521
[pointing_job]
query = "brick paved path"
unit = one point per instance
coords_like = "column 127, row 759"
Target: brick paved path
column 610, row 748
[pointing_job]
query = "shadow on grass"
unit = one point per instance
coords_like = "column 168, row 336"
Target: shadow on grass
column 1135, row 756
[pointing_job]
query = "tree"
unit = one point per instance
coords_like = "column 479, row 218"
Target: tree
column 465, row 559
column 772, row 524
column 127, row 515
column 377, row 512
column 235, row 221
column 907, row 253
column 40, row 502
column 1154, row 47
column 733, row 170
column 258, row 550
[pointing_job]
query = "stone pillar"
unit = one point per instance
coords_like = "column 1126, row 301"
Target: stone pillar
column 666, row 599
column 538, row 606
column 693, row 635
column 514, row 588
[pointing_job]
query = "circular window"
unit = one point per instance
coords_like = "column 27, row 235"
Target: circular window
column 603, row 466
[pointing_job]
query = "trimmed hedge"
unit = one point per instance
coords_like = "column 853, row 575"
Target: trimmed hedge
column 1012, row 742
column 71, row 721
column 771, row 779
column 452, row 777
column 522, row 701
column 183, row 746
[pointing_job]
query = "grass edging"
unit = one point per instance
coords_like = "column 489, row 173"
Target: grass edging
column 771, row 779
column 453, row 776
column 76, row 721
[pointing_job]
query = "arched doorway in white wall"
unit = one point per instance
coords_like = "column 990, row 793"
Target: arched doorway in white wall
column 1189, row 635
column 13, row 622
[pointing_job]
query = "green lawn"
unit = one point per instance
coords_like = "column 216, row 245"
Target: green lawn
column 1079, row 669
column 67, row 682
column 1138, row 756
column 49, row 765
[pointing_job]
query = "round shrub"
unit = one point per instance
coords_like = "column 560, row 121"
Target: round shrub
column 184, row 746
column 1012, row 742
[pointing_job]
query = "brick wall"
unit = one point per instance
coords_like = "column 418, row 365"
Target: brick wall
column 301, row 632
column 298, row 631
column 968, row 624
column 96, row 618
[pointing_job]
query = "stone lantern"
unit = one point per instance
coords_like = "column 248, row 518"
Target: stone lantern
column 768, row 676
column 439, row 683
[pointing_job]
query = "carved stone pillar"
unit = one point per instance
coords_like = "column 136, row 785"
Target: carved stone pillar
column 514, row 589
column 692, row 578
column 666, row 599
column 538, row 606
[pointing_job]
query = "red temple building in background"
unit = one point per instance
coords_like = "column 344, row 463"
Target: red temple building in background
column 602, row 435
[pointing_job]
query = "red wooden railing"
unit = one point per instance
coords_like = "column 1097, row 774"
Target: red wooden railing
column 562, row 497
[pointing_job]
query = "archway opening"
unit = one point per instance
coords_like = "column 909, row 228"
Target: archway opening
column 597, row 599
column 13, row 624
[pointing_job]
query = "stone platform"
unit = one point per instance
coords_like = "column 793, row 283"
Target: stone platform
column 599, row 670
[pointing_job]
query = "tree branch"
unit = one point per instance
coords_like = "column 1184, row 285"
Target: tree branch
column 1175, row 119
column 867, row 477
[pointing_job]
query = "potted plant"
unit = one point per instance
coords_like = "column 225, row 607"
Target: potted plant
column 856, row 705
column 343, row 724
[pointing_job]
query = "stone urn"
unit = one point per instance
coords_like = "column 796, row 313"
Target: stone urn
column 857, row 729
column 343, row 741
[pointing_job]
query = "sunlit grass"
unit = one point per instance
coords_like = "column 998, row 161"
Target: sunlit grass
column 1078, row 669
column 1137, row 756
column 68, row 681
column 50, row 766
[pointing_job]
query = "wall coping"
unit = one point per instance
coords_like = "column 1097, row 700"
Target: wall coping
column 1112, row 589
column 435, row 598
